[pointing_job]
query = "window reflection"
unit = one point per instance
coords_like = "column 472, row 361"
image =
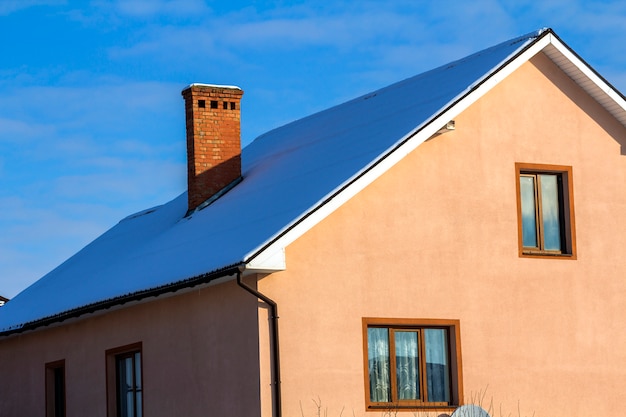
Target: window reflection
column 550, row 212
column 529, row 212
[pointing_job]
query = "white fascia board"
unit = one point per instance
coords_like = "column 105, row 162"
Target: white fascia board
column 272, row 256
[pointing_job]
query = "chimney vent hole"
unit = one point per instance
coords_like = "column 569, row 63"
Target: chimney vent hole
column 214, row 104
column 232, row 105
column 201, row 104
column 225, row 105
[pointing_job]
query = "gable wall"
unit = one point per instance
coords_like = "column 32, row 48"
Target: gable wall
column 199, row 354
column 436, row 237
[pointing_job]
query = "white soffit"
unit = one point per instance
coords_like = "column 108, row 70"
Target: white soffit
column 586, row 78
column 271, row 260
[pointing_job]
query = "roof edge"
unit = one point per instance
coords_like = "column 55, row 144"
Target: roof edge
column 121, row 300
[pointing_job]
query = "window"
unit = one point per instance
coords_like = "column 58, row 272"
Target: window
column 124, row 381
column 545, row 211
column 414, row 364
column 55, row 389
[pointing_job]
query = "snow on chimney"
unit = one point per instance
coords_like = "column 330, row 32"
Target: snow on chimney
column 213, row 140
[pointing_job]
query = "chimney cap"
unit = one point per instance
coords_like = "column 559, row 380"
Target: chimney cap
column 234, row 87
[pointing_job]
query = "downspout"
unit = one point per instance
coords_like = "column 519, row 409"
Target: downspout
column 274, row 342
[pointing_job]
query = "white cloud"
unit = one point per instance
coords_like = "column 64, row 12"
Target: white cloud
column 10, row 6
column 149, row 8
column 250, row 30
column 372, row 33
column 118, row 12
column 18, row 131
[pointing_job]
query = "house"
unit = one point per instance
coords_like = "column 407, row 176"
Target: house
column 3, row 300
column 450, row 239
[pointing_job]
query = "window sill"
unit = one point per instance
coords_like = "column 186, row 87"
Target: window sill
column 546, row 255
column 424, row 408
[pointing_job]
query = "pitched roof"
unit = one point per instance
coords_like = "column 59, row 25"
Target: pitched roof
column 293, row 177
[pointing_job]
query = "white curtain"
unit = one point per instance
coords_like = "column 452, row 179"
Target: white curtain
column 407, row 365
column 378, row 358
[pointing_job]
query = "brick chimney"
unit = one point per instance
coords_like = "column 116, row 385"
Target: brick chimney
column 213, row 140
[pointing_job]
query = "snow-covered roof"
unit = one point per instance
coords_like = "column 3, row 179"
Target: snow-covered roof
column 292, row 177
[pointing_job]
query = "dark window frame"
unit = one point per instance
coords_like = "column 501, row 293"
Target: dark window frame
column 567, row 223
column 454, row 357
column 113, row 357
column 55, row 389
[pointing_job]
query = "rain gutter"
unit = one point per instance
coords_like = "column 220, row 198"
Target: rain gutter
column 276, row 392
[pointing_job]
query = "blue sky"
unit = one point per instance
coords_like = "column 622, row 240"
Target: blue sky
column 91, row 117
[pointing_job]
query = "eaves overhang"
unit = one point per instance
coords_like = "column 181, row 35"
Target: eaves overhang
column 127, row 299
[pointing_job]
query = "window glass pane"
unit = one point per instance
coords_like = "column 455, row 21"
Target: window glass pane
column 59, row 392
column 121, row 387
column 529, row 217
column 139, row 405
column 407, row 365
column 138, row 383
column 125, row 386
column 437, row 366
column 55, row 390
column 378, row 358
column 550, row 212
column 130, row 395
column 138, row 370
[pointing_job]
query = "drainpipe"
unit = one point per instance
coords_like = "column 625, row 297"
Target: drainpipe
column 274, row 335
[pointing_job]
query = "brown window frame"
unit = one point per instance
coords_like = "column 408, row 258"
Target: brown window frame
column 566, row 207
column 54, row 390
column 454, row 356
column 112, row 356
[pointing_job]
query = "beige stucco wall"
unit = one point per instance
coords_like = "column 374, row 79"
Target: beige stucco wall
column 200, row 353
column 436, row 237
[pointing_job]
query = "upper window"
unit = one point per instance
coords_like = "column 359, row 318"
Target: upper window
column 412, row 364
column 124, row 381
column 545, row 210
column 55, row 389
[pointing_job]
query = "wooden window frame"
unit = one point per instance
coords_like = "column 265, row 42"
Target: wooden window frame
column 454, row 355
column 52, row 388
column 111, row 357
column 566, row 207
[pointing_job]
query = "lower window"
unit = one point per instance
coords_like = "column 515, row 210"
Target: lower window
column 412, row 363
column 124, row 381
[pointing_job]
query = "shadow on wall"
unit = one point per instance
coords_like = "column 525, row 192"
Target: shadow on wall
column 595, row 111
